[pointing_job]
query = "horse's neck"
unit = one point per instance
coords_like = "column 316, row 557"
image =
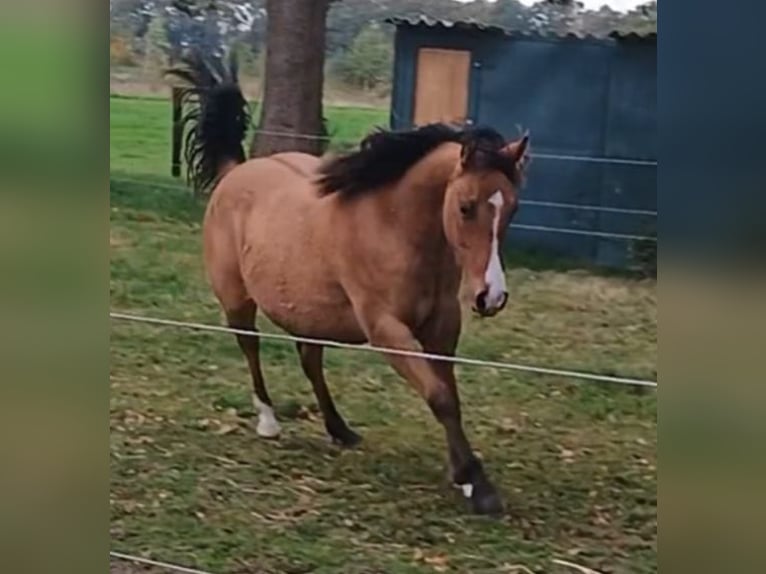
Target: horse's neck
column 419, row 195
column 418, row 201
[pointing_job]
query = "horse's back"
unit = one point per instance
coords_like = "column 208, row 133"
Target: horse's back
column 269, row 238
column 265, row 175
column 301, row 163
column 266, row 185
column 260, row 187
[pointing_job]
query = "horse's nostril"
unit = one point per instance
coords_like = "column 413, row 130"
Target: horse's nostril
column 505, row 300
column 481, row 301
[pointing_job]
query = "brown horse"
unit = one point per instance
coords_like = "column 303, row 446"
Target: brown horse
column 366, row 247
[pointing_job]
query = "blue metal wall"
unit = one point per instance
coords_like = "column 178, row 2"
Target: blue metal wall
column 582, row 97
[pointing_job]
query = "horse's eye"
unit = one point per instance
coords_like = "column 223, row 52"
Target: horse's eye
column 468, row 209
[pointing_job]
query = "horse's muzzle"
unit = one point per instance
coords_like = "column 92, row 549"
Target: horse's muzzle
column 486, row 308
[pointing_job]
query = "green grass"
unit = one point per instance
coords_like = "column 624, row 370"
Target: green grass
column 140, row 132
column 192, row 483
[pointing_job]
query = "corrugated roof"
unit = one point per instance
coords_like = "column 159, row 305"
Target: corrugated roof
column 634, row 36
column 423, row 20
column 475, row 25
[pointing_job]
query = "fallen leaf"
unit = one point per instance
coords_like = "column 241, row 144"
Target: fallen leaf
column 567, row 455
column 578, row 567
column 304, row 413
column 438, row 560
column 600, row 520
column 508, row 425
column 226, row 429
column 133, row 419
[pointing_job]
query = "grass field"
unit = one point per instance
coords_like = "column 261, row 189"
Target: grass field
column 140, row 132
column 193, row 484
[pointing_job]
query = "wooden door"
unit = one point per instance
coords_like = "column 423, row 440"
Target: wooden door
column 441, row 88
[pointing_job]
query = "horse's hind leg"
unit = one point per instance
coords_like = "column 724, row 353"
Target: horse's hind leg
column 311, row 361
column 244, row 318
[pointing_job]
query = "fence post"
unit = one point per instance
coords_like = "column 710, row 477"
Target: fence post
column 175, row 168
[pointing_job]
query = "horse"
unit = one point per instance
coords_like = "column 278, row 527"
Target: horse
column 371, row 246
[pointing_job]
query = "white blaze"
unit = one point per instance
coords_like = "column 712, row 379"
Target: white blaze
column 268, row 427
column 494, row 276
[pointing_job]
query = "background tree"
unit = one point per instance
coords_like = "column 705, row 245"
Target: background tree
column 510, row 14
column 368, row 62
column 156, row 51
column 642, row 19
column 128, row 23
column 294, row 37
column 294, row 78
column 556, row 16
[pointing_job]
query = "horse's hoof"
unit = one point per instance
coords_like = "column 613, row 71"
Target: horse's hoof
column 268, row 428
column 488, row 503
column 345, row 438
column 484, row 500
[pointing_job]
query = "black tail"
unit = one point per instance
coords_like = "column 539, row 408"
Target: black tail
column 215, row 119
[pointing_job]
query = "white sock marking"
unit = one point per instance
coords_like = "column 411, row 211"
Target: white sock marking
column 467, row 490
column 268, row 427
column 494, row 275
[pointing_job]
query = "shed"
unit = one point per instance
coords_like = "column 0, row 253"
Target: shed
column 590, row 105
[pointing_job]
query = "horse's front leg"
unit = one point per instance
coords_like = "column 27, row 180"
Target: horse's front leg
column 436, row 384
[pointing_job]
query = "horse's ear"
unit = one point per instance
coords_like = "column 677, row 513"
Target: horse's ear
column 517, row 150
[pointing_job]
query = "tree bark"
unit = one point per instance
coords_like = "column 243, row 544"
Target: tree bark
column 294, row 78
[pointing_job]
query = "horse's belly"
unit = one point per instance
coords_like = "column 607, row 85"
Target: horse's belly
column 287, row 272
column 318, row 315
column 295, row 289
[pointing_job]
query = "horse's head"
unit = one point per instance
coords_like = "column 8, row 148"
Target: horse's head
column 480, row 201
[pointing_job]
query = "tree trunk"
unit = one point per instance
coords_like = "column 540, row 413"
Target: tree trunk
column 292, row 93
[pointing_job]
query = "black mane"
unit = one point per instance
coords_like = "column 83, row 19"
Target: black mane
column 385, row 156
